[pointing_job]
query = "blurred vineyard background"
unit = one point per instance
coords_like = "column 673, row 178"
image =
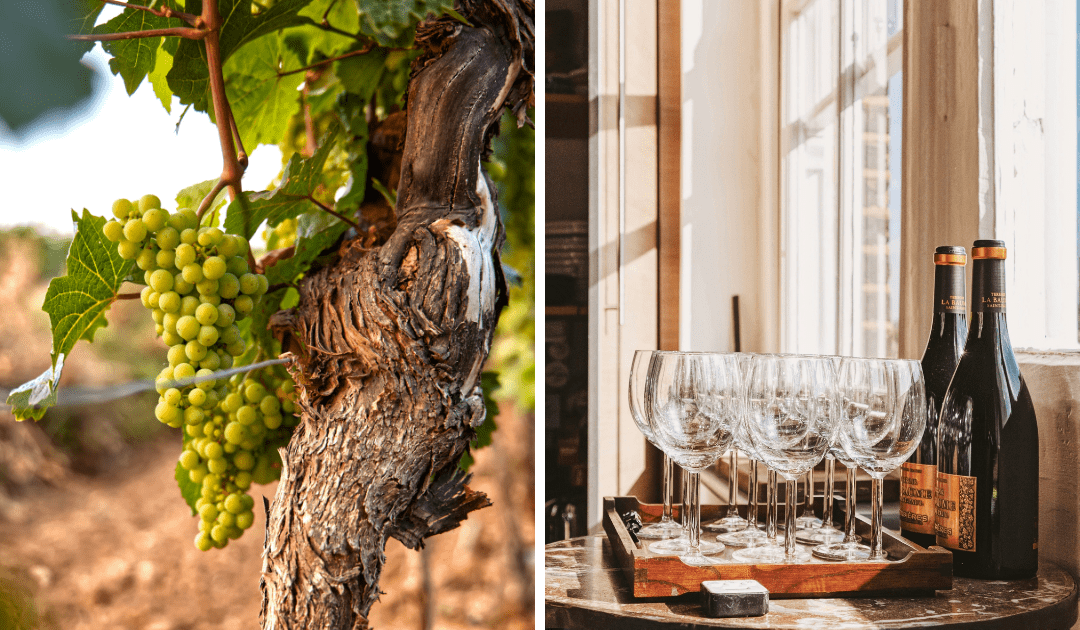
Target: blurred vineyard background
column 94, row 534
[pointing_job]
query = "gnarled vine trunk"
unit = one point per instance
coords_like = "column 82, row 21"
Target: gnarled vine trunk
column 389, row 342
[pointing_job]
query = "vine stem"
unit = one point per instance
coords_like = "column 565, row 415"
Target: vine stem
column 179, row 31
column 326, row 208
column 209, row 199
column 166, row 12
column 231, row 171
column 363, row 51
column 128, row 296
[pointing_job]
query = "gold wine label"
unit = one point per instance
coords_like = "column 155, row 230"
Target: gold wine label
column 950, row 259
column 954, row 512
column 917, row 497
column 979, row 253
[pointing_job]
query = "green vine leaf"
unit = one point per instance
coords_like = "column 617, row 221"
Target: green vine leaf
column 132, row 59
column 315, row 231
column 387, row 20
column 263, row 102
column 193, row 195
column 31, row 399
column 190, row 490
column 299, row 181
column 157, row 78
column 189, row 77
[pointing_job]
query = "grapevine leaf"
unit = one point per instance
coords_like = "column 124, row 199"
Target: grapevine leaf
column 350, row 110
column 31, row 399
column 132, row 59
column 189, row 77
column 489, row 382
column 262, row 101
column 387, row 20
column 76, row 303
column 190, row 490
column 193, row 195
column 342, row 16
column 314, row 233
column 84, row 14
column 157, row 78
column 299, row 181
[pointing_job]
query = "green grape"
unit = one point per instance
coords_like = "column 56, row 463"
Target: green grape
column 182, row 286
column 113, row 230
column 230, row 335
column 226, row 360
column 246, row 415
column 169, row 321
column 243, row 245
column 189, row 460
column 249, row 502
column 243, row 305
column 229, row 286
column 244, row 520
column 187, row 327
column 135, row 230
column 203, row 542
column 226, row 315
column 146, row 260
column 169, row 302
column 228, row 246
column 219, row 533
column 193, row 415
column 244, row 460
column 185, row 255
column 195, row 351
column 161, row 280
column 189, row 216
column 264, row 284
column 194, row 430
column 217, row 465
column 171, row 338
column 172, row 396
column 232, row 402
column 128, row 250
column 189, row 305
column 196, row 397
column 144, row 295
column 270, row 405
column 237, row 266
column 189, row 237
column 272, row 421
column 213, row 268
column 249, row 283
column 207, row 287
column 243, row 480
column 213, row 450
column 146, row 276
column 208, row 512
column 168, row 237
column 254, row 391
column 166, row 412
column 211, row 362
column 235, row 433
column 209, row 298
column 206, row 314
column 205, row 385
column 146, row 202
column 183, row 371
column 236, row 349
column 164, row 258
column 208, row 335
column 122, row 208
column 154, row 219
column 192, row 273
column 233, row 504
column 158, row 315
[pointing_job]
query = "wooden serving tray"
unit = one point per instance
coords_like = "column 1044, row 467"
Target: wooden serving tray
column 914, row 571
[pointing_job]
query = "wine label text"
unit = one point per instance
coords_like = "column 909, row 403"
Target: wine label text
column 917, row 497
column 954, row 512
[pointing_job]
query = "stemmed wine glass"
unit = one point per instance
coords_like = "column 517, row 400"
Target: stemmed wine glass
column 695, row 402
column 788, row 427
column 884, row 415
column 751, row 535
column 849, row 548
column 667, row 527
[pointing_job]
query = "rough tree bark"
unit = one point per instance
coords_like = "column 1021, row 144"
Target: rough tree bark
column 389, row 342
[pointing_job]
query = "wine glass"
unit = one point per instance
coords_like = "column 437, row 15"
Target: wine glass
column 788, row 427
column 751, row 535
column 849, row 548
column 884, row 415
column 695, row 402
column 732, row 522
column 667, row 527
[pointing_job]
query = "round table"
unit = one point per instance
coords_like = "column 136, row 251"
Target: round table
column 585, row 589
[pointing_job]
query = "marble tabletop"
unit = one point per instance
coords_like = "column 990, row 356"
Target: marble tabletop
column 584, row 589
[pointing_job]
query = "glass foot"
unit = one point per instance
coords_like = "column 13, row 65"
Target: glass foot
column 744, row 538
column 657, row 531
column 807, row 522
column 727, row 524
column 842, row 552
column 820, row 536
column 671, row 547
column 696, row 558
column 771, row 554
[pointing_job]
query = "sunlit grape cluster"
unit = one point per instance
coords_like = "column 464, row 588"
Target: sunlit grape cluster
column 235, row 447
column 198, row 287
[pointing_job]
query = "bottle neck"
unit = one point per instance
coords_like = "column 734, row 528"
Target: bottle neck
column 987, row 298
column 950, row 301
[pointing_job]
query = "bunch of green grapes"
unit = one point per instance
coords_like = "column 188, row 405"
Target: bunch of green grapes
column 198, row 286
column 235, row 447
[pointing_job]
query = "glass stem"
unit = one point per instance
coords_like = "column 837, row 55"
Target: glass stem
column 849, row 516
column 789, row 519
column 733, row 478
column 770, row 517
column 875, row 531
column 668, row 473
column 693, row 509
column 753, row 508
column 682, row 505
column 808, row 510
column 827, row 500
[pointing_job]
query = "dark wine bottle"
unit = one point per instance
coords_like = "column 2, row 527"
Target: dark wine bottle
column 987, row 496
column 918, row 476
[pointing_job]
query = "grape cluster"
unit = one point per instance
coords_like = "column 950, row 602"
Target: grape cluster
column 198, row 286
column 235, row 447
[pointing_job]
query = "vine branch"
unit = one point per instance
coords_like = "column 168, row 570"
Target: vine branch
column 128, row 296
column 231, row 170
column 166, row 12
column 209, row 198
column 178, row 31
column 328, row 209
column 363, row 51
